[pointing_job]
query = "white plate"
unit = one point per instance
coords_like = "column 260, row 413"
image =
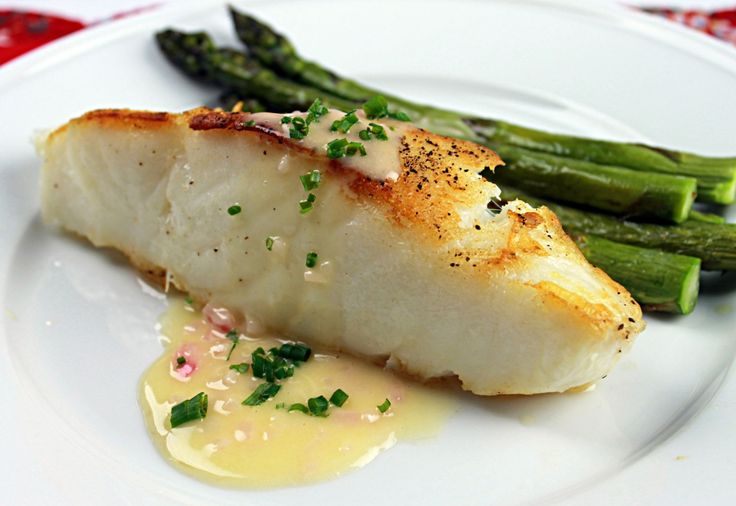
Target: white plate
column 78, row 329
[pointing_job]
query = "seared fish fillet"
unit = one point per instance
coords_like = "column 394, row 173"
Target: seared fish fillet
column 411, row 266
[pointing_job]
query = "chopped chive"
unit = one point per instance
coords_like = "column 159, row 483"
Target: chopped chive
column 268, row 371
column 299, row 407
column 311, row 259
column 355, row 147
column 180, row 361
column 310, row 180
column 376, row 107
column 233, row 210
column 233, row 336
column 296, row 134
column 299, row 128
column 242, row 367
column 189, row 410
column 306, row 205
column 269, row 243
column 344, row 124
column 249, row 123
column 378, row 131
column 258, row 360
column 261, row 394
column 342, row 147
column 339, row 397
column 318, row 405
column 384, row 407
column 189, row 300
column 316, row 111
column 373, row 130
column 399, row 115
column 282, row 368
column 270, row 366
column 296, row 352
column 280, row 405
column 336, row 148
column 285, row 120
column 230, row 351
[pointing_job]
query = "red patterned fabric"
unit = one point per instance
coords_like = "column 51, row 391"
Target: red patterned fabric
column 21, row 31
column 720, row 24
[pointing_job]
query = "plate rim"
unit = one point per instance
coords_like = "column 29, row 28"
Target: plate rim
column 92, row 38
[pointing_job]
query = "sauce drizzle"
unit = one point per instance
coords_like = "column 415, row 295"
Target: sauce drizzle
column 267, row 446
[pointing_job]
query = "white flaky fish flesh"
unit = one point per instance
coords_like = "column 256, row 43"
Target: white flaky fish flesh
column 394, row 256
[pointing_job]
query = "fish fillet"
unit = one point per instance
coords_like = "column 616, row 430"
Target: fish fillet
column 413, row 269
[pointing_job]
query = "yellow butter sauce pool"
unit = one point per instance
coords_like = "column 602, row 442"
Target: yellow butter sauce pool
column 267, row 446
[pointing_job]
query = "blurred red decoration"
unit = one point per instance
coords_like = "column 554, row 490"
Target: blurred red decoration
column 21, row 31
column 720, row 24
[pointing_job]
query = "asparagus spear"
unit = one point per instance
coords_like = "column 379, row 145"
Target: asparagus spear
column 608, row 188
column 197, row 56
column 713, row 243
column 716, row 176
column 659, row 281
column 706, row 217
column 614, row 189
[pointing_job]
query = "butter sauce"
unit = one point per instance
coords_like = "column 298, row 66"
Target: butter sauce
column 381, row 162
column 267, row 446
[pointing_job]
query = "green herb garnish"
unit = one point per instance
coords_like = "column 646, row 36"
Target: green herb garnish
column 377, row 107
column 270, row 366
column 338, row 398
column 242, row 367
column 316, row 111
column 373, row 130
column 306, row 205
column 258, row 360
column 282, row 368
column 318, row 406
column 234, row 209
column 299, row 407
column 180, row 361
column 355, row 147
column 299, row 128
column 399, row 115
column 233, row 336
column 280, row 405
column 311, row 259
column 344, row 124
column 336, row 148
column 269, row 243
column 296, row 352
column 189, row 300
column 261, row 394
column 249, row 123
column 310, row 180
column 342, row 147
column 384, row 407
column 187, row 411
